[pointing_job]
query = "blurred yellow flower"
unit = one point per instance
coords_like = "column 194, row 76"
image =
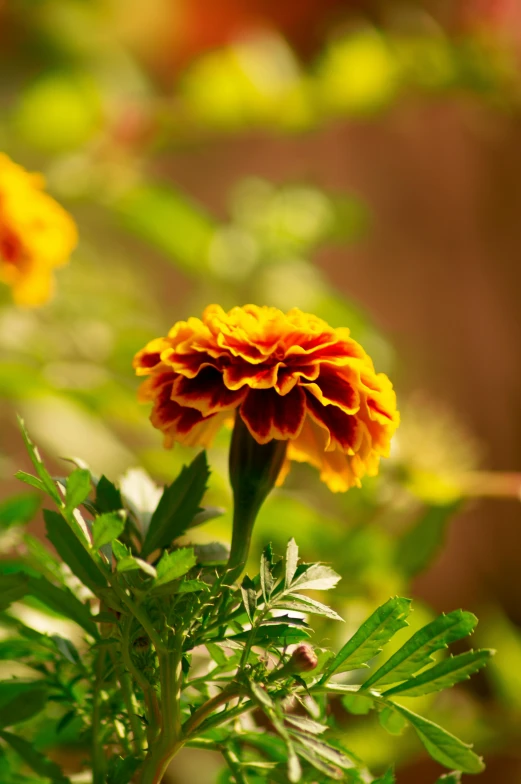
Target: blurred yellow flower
column 290, row 377
column 36, row 234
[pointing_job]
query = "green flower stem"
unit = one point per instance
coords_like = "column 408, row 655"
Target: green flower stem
column 254, row 469
column 98, row 753
column 234, row 764
column 229, row 693
column 170, row 739
column 138, row 739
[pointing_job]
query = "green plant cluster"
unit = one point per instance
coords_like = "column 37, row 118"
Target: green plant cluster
column 168, row 654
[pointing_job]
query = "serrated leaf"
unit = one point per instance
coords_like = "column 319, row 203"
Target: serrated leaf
column 306, row 605
column 178, row 506
column 370, row 638
column 330, row 771
column 78, row 488
column 305, row 724
column 417, row 652
column 266, row 578
column 72, row 552
column 324, row 750
column 108, row 497
column 34, row 759
column 291, row 562
column 445, row 748
column 174, row 565
column 20, row 701
column 106, row 528
column 249, row 597
column 192, row 586
column 19, row 509
column 37, row 462
column 316, row 577
column 443, row 675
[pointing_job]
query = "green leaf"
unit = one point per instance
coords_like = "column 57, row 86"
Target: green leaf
column 417, row 652
column 207, row 513
column 16, row 649
column 454, row 777
column 392, row 721
column 291, row 562
column 35, row 759
column 211, row 553
column 19, row 700
column 249, row 597
column 358, row 704
column 441, row 745
column 280, row 634
column 316, row 577
column 293, row 765
column 31, row 480
column 72, row 552
column 106, row 528
column 266, row 577
column 419, row 545
column 192, row 586
column 164, row 217
column 305, row 724
column 66, row 648
column 120, row 550
column 178, row 506
column 443, row 675
column 12, row 588
column 78, row 488
column 19, row 509
column 122, row 769
column 324, row 750
column 387, row 778
column 63, row 602
column 306, row 605
column 108, row 497
column 370, row 638
column 130, row 564
column 174, row 565
column 36, row 460
column 328, row 770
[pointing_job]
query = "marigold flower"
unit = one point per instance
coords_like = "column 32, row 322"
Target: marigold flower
column 289, row 377
column 36, row 234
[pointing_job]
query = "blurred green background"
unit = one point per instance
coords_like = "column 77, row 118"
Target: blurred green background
column 359, row 160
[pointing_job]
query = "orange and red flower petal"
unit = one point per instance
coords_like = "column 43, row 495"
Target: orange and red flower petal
column 206, row 392
column 345, row 430
column 269, row 415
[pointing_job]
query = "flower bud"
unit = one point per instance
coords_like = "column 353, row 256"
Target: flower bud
column 303, row 659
